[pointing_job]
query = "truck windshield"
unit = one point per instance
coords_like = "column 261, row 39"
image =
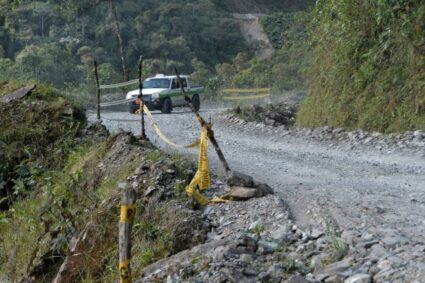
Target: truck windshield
column 156, row 83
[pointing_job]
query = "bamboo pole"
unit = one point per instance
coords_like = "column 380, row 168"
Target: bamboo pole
column 207, row 125
column 128, row 211
column 142, row 111
column 98, row 90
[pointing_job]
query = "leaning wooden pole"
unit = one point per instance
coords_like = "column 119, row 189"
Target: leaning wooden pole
column 98, row 90
column 142, row 103
column 207, row 125
column 128, row 210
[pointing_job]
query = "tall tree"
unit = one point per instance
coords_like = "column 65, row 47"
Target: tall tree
column 126, row 70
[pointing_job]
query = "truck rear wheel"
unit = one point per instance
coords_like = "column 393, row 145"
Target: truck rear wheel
column 196, row 102
column 167, row 106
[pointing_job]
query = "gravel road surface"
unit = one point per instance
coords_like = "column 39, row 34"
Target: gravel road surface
column 364, row 190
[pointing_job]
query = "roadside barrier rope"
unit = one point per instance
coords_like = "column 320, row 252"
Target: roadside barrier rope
column 245, row 90
column 116, row 102
column 202, row 179
column 135, row 81
column 161, row 134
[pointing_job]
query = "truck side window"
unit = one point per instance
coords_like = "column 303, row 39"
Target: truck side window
column 175, row 84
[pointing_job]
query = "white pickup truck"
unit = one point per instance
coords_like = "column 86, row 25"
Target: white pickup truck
column 163, row 93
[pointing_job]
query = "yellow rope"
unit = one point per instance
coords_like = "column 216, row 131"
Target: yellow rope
column 161, row 134
column 202, row 179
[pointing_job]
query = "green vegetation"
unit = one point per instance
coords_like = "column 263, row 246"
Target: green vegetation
column 368, row 66
column 58, row 179
column 55, row 42
column 36, row 134
column 285, row 70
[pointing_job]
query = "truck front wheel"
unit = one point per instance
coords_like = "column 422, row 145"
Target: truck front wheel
column 167, row 106
column 196, row 102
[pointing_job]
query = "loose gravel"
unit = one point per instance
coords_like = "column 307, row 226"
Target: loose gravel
column 373, row 192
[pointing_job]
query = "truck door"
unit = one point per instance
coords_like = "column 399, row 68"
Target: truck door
column 178, row 100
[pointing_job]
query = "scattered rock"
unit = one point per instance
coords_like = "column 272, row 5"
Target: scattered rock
column 150, row 190
column 297, row 279
column 240, row 179
column 17, row 94
column 358, row 278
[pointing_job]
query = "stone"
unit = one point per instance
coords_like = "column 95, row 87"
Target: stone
column 317, row 264
column 172, row 278
column 268, row 245
column 419, row 134
column 394, row 241
column 358, row 278
column 150, row 190
column 264, row 189
column 316, row 233
column 377, row 251
column 239, row 179
column 241, row 193
column 367, row 244
column 279, row 233
column 297, row 279
column 246, row 258
column 339, row 266
column 17, row 94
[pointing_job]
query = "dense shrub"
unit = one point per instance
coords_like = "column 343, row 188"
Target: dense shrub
column 368, row 67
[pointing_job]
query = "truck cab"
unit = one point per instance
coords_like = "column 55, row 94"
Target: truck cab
column 164, row 93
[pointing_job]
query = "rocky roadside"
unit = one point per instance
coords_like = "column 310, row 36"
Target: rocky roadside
column 280, row 120
column 256, row 241
column 238, row 234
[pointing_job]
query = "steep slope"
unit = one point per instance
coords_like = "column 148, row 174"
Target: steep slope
column 254, row 34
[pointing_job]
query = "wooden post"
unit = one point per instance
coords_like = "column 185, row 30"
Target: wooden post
column 98, row 90
column 208, row 126
column 142, row 111
column 128, row 211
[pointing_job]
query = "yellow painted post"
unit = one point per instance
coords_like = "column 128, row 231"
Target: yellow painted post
column 128, row 211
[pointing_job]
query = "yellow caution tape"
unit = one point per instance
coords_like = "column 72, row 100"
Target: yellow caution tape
column 127, row 213
column 161, row 134
column 246, row 97
column 125, row 273
column 202, row 180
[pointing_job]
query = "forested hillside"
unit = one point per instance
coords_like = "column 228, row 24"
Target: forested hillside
column 368, row 67
column 364, row 62
column 285, row 69
column 56, row 41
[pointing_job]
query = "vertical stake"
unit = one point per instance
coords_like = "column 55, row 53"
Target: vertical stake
column 142, row 104
column 128, row 211
column 203, row 123
column 98, row 90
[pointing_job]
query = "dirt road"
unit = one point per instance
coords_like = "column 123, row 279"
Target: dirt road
column 365, row 191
